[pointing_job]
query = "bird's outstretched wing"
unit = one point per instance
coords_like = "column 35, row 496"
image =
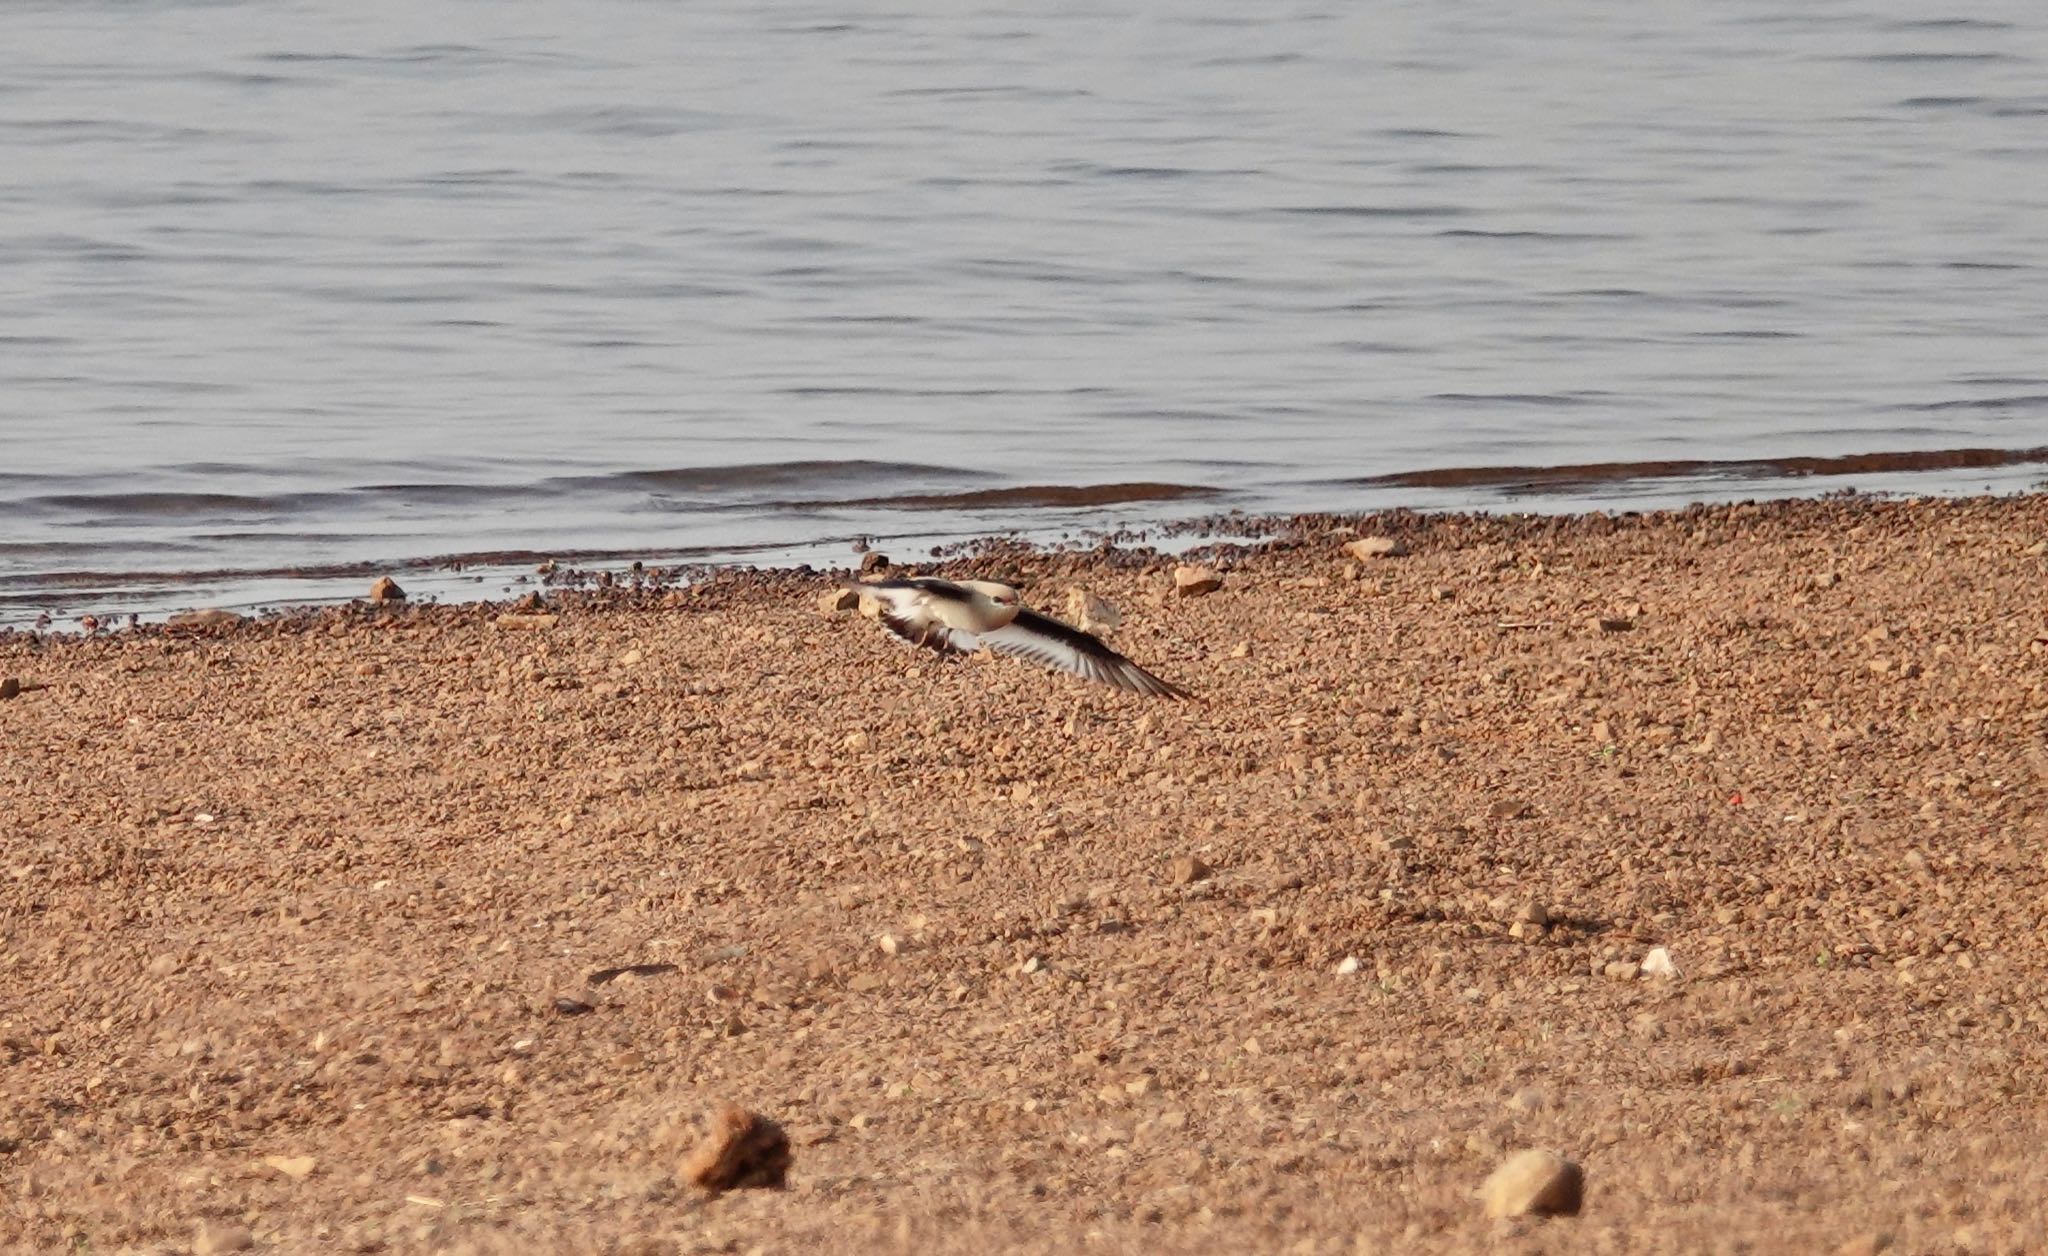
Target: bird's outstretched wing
column 906, row 607
column 929, row 633
column 1048, row 641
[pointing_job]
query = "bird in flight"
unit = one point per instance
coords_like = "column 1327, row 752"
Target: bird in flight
column 969, row 615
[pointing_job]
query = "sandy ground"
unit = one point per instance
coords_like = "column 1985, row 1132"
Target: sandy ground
column 302, row 923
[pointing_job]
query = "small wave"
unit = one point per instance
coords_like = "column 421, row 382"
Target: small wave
column 766, row 475
column 2023, row 401
column 447, row 494
column 1042, row 495
column 158, row 505
column 1373, row 211
column 1936, row 58
column 1512, row 399
column 1509, row 478
column 1555, row 237
column 1941, row 102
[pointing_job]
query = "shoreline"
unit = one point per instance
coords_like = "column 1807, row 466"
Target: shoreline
column 436, row 926
column 1218, row 536
column 1044, row 513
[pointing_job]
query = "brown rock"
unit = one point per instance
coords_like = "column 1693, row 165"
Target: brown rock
column 297, row 1168
column 216, row 1237
column 386, row 590
column 838, row 601
column 1188, row 869
column 1367, row 548
column 873, row 561
column 1865, row 1244
column 1613, row 623
column 1189, row 581
column 742, row 1150
column 211, row 617
column 1534, row 1183
column 1090, row 613
column 524, row 623
column 10, row 688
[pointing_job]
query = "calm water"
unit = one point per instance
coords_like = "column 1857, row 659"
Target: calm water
column 304, row 285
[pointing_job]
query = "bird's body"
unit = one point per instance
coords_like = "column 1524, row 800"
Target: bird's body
column 961, row 617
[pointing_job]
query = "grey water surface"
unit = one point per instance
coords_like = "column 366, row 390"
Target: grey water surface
column 290, row 291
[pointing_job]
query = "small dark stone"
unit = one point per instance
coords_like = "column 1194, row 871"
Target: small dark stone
column 605, row 975
column 572, row 1007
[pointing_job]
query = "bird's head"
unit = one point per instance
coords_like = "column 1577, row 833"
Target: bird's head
column 1000, row 594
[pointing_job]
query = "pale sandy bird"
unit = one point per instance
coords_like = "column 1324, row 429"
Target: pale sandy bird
column 969, row 615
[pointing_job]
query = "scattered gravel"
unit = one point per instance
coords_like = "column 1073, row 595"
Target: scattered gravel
column 447, row 929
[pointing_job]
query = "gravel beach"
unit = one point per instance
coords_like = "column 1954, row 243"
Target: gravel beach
column 1707, row 851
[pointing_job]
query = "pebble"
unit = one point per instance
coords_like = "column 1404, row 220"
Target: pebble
column 1090, row 613
column 1613, row 623
column 743, row 1149
column 214, row 1238
column 1527, row 1099
column 1195, row 581
column 1622, row 970
column 297, row 1168
column 1189, row 869
column 10, row 688
column 838, row 601
column 1657, row 963
column 1367, row 548
column 386, row 590
column 1348, row 965
column 1534, row 1183
column 571, row 1007
column 212, row 617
